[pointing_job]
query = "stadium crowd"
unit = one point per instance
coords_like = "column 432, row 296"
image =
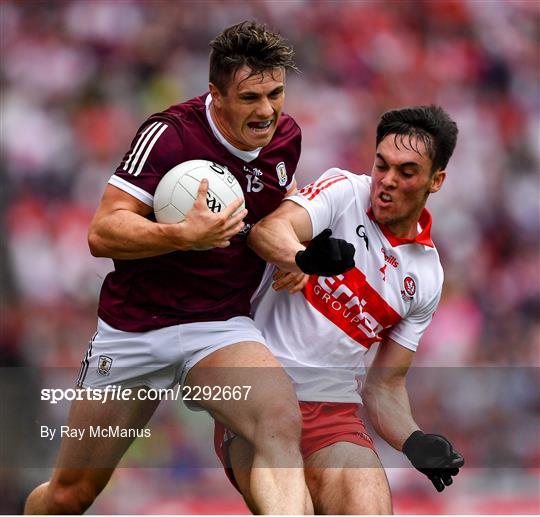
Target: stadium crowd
column 77, row 79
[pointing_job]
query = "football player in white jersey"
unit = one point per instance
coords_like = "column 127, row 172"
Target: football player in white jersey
column 387, row 298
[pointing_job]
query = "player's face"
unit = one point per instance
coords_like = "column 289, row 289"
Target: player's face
column 401, row 183
column 247, row 113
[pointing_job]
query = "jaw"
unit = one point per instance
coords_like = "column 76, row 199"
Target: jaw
column 256, row 137
column 382, row 210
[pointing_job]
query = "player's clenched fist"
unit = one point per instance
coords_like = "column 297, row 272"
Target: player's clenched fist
column 434, row 456
column 326, row 256
column 206, row 229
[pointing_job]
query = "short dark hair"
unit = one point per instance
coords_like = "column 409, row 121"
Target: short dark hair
column 429, row 124
column 247, row 43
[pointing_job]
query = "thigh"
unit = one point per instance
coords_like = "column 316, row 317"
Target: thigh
column 92, row 456
column 251, row 365
column 131, row 359
column 345, row 478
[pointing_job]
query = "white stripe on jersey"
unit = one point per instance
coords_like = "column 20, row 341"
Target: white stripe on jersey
column 148, row 149
column 140, row 145
column 137, row 145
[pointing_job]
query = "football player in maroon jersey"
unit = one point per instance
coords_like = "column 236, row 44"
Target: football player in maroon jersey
column 169, row 313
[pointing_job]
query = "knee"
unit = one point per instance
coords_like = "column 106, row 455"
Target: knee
column 281, row 422
column 72, row 498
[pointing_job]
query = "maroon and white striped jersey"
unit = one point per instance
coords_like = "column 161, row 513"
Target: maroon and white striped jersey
column 192, row 286
column 321, row 335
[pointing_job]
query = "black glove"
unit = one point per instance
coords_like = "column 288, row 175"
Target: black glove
column 434, row 456
column 326, row 256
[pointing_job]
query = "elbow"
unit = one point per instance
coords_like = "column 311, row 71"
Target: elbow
column 95, row 243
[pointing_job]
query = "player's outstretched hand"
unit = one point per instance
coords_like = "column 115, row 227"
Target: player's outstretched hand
column 205, row 229
column 326, row 256
column 434, row 456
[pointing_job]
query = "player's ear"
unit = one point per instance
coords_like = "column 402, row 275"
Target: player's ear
column 216, row 94
column 437, row 180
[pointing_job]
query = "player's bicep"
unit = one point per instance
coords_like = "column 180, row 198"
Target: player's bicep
column 115, row 199
column 297, row 216
column 325, row 199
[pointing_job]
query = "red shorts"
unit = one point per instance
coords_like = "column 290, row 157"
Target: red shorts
column 323, row 424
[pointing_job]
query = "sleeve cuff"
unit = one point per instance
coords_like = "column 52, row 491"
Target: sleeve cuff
column 131, row 189
column 409, row 344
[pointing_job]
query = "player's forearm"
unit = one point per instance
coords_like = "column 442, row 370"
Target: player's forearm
column 277, row 243
column 126, row 235
column 389, row 410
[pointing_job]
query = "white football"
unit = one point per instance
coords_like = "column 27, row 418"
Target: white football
column 177, row 190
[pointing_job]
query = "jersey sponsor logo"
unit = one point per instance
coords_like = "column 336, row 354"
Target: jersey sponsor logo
column 281, row 174
column 314, row 189
column 104, row 364
column 361, row 232
column 136, row 159
column 352, row 304
column 390, row 259
column 383, row 271
column 255, row 171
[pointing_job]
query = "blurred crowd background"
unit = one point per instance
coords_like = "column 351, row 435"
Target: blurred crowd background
column 77, row 79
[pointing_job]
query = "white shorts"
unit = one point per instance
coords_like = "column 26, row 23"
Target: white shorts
column 158, row 358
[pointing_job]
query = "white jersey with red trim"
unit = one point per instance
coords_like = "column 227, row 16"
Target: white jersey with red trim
column 321, row 334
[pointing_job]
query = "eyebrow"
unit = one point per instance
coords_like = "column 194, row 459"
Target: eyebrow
column 277, row 89
column 405, row 164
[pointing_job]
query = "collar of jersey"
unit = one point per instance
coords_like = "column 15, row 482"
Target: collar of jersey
column 247, row 156
column 423, row 237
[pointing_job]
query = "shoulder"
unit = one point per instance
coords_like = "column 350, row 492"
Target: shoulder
column 184, row 113
column 288, row 126
column 333, row 187
column 187, row 122
column 286, row 143
column 436, row 271
column 288, row 134
column 428, row 272
column 358, row 180
column 196, row 104
column 336, row 179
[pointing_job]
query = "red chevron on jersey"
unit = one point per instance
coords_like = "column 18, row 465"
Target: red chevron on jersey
column 314, row 189
column 308, row 189
column 349, row 302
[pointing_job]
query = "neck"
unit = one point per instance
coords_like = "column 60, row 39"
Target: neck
column 406, row 229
